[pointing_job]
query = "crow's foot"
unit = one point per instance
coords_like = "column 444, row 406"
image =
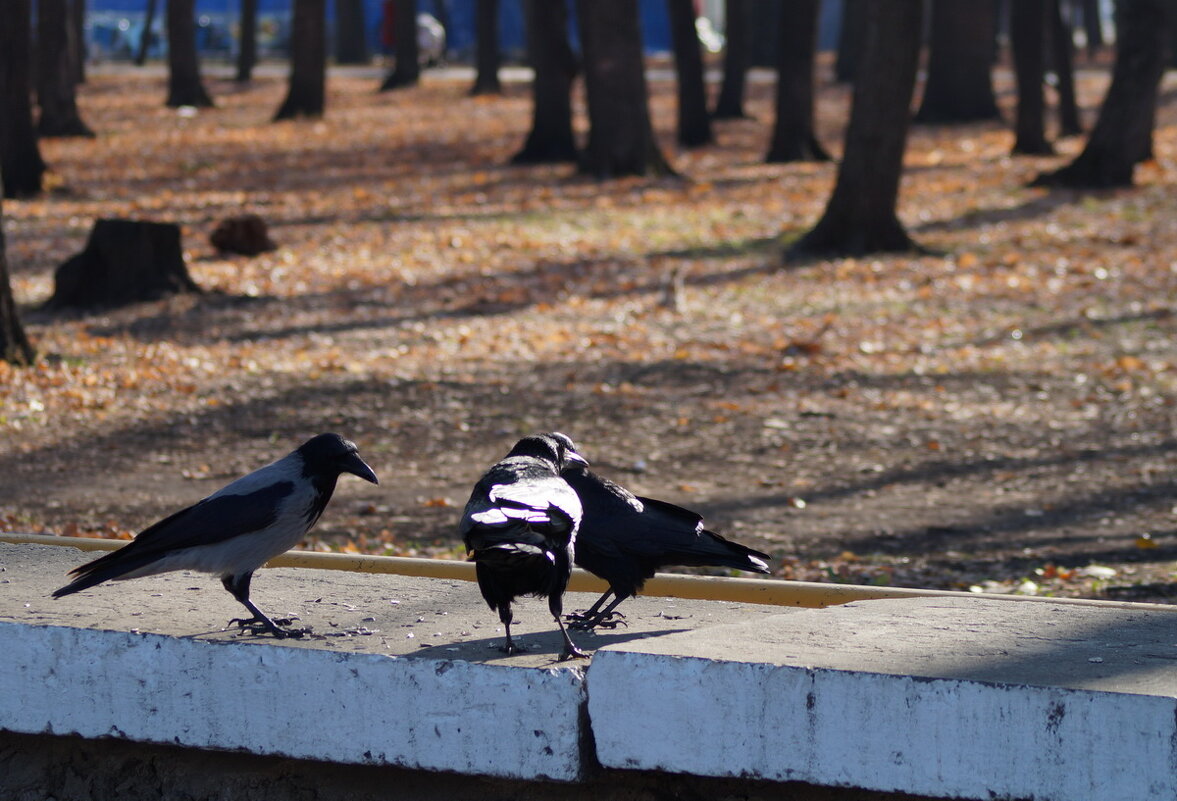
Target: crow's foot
column 572, row 652
column 586, row 623
column 258, row 626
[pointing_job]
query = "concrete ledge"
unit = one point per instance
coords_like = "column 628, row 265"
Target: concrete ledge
column 947, row 697
column 399, row 671
column 311, row 704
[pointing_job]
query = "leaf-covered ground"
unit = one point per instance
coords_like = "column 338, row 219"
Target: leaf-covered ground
column 1000, row 415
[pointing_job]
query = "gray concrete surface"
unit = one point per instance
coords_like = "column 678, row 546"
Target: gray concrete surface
column 352, row 612
column 957, row 697
column 970, row 698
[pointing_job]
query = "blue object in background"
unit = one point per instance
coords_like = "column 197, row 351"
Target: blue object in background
column 115, row 26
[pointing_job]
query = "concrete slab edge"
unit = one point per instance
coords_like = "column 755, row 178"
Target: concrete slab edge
column 324, row 705
column 938, row 737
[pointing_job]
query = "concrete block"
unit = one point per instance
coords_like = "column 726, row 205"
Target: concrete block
column 297, row 702
column 944, row 697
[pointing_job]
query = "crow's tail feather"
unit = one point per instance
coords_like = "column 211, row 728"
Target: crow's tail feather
column 109, row 566
column 712, row 550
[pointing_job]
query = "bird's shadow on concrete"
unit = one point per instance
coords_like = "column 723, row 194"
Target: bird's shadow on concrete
column 532, row 645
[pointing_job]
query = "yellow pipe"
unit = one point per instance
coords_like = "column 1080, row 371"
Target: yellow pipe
column 775, row 592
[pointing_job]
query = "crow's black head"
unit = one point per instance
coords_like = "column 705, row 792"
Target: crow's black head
column 328, row 455
column 554, row 447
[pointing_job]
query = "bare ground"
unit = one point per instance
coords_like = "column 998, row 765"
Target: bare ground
column 1001, row 415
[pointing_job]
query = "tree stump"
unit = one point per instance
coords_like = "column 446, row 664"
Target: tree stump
column 125, row 261
column 245, row 234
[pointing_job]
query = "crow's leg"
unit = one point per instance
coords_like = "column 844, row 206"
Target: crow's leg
column 556, row 607
column 606, row 618
column 579, row 620
column 570, row 650
column 238, row 587
column 506, row 616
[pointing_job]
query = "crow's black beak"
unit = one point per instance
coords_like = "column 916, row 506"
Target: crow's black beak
column 352, row 463
column 572, row 457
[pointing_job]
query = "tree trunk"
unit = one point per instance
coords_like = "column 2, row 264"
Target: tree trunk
column 77, row 41
column 694, row 123
column 247, row 46
column 1092, row 27
column 15, row 347
column 351, row 44
column 621, row 137
column 851, row 38
column 306, row 96
column 125, row 261
column 793, row 137
column 407, row 70
column 55, row 85
column 860, row 217
column 1062, row 51
column 20, row 157
column 184, row 85
column 551, row 139
column 959, row 85
column 730, row 105
column 1123, row 132
column 487, row 56
column 1027, row 36
column 145, row 39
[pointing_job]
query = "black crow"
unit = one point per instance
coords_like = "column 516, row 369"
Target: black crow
column 520, row 525
column 238, row 528
column 625, row 539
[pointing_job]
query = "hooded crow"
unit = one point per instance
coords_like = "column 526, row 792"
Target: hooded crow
column 624, row 539
column 238, row 528
column 520, row 526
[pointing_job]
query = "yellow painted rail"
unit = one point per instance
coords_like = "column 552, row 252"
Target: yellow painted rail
column 776, row 592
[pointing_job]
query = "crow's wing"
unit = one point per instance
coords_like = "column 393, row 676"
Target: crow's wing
column 216, row 518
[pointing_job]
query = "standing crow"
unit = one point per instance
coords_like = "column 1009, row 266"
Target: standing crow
column 520, row 525
column 238, row 528
column 625, row 539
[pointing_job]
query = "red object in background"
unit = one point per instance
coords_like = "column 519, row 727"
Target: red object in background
column 388, row 25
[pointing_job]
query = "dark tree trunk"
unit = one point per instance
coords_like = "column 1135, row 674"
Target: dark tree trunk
column 621, row 137
column 1092, row 27
column 851, row 38
column 247, row 46
column 860, row 217
column 694, row 122
column 959, row 85
column 793, row 137
column 306, row 96
column 730, row 104
column 15, row 347
column 77, row 41
column 487, row 56
column 407, row 70
column 55, row 84
column 554, row 65
column 184, row 85
column 20, row 156
column 1122, row 135
column 148, row 35
column 1062, row 51
column 1027, row 36
column 351, row 43
column 125, row 261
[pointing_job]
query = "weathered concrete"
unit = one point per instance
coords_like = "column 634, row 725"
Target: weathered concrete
column 954, row 697
column 398, row 671
column 944, row 697
column 37, row 768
